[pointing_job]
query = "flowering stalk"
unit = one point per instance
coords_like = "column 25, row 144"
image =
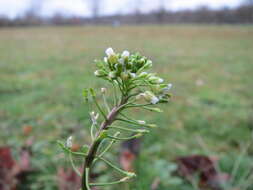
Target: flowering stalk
column 132, row 88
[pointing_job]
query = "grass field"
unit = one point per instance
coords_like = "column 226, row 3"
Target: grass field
column 43, row 71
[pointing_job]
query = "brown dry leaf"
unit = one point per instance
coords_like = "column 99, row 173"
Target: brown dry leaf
column 126, row 160
column 13, row 173
column 204, row 167
column 27, row 130
column 129, row 152
column 75, row 147
column 68, row 179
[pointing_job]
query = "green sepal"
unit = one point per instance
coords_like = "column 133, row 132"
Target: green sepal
column 92, row 92
column 153, row 109
column 103, row 135
column 85, row 95
column 84, row 149
column 63, row 147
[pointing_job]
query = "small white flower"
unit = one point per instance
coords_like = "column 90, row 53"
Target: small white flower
column 160, row 80
column 94, row 117
column 147, row 65
column 166, row 89
column 109, row 52
column 141, row 122
column 143, row 74
column 103, row 90
column 105, row 59
column 69, row 142
column 112, row 75
column 150, row 97
column 156, row 79
column 154, row 100
column 133, row 75
column 96, row 73
column 125, row 54
column 99, row 73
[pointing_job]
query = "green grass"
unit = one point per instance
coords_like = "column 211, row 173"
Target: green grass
column 43, row 71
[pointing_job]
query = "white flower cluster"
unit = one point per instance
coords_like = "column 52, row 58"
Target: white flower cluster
column 128, row 69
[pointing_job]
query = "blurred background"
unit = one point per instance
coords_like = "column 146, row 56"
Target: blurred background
column 203, row 47
column 79, row 12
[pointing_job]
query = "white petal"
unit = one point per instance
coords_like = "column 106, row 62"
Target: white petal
column 160, row 80
column 103, row 90
column 125, row 54
column 169, row 86
column 109, row 52
column 133, row 75
column 141, row 122
column 154, row 100
column 69, row 142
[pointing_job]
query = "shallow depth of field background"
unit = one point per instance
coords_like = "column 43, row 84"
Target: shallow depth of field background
column 43, row 71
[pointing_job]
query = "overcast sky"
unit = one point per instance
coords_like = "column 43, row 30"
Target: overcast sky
column 14, row 8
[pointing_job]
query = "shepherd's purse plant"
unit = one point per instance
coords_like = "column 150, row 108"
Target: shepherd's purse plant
column 132, row 87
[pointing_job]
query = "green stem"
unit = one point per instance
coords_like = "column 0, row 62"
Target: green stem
column 110, row 144
column 87, row 178
column 73, row 165
column 105, row 103
column 124, row 129
column 92, row 131
column 115, row 167
column 125, row 138
column 98, row 106
column 110, row 183
column 96, row 143
column 133, row 122
column 115, row 99
column 137, row 105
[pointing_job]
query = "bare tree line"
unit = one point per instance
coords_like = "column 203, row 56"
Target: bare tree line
column 240, row 14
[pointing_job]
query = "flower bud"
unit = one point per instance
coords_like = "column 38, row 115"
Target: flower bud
column 152, row 125
column 125, row 54
column 99, row 73
column 156, row 80
column 109, row 52
column 130, row 174
column 140, row 96
column 69, row 142
column 147, row 65
column 103, row 90
column 112, row 75
column 94, row 117
column 138, row 135
column 150, row 97
column 124, row 76
column 142, row 131
column 143, row 74
column 154, row 100
column 132, row 75
column 141, row 122
column 154, row 109
column 85, row 94
column 166, row 89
